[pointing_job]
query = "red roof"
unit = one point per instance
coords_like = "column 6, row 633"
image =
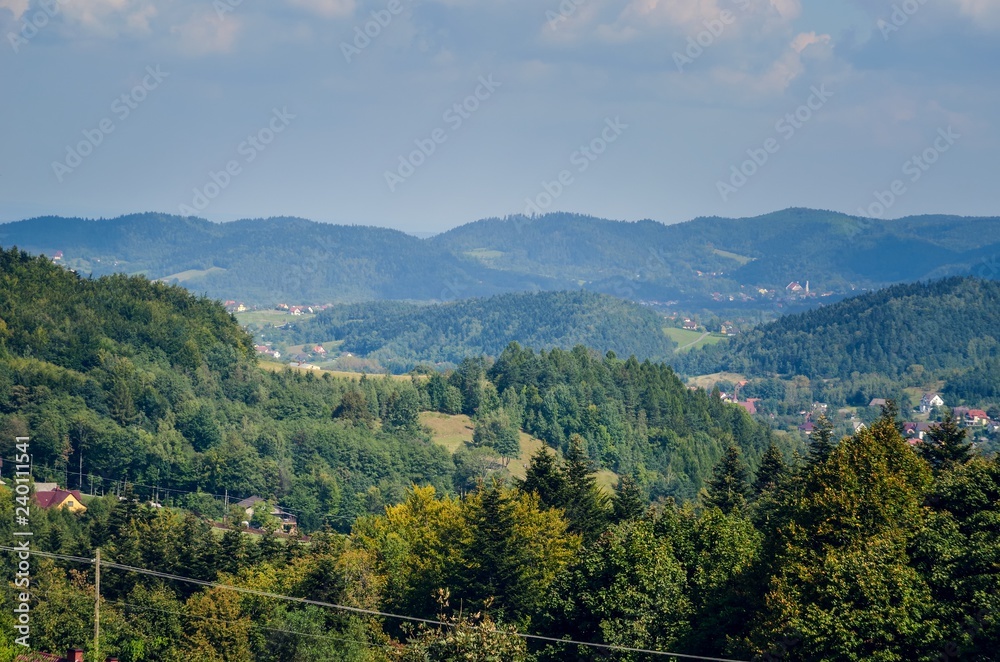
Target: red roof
column 978, row 413
column 56, row 497
column 749, row 406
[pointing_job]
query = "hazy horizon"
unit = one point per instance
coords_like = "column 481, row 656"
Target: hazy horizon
column 424, row 115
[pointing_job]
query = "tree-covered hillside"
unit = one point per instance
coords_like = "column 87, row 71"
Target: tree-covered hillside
column 265, row 261
column 125, row 379
column 941, row 328
column 868, row 550
column 704, row 263
column 401, row 335
column 647, row 259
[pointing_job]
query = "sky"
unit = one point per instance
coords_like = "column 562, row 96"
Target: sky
column 426, row 114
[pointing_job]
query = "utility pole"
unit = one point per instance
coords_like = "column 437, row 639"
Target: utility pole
column 97, row 607
column 225, row 513
column 80, row 480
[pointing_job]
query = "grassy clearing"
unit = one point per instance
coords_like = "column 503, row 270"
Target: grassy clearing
column 742, row 259
column 484, row 254
column 455, row 431
column 449, row 431
column 688, row 340
column 708, row 381
column 193, row 274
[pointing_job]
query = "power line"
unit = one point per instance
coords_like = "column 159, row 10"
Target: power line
column 359, row 610
column 250, row 622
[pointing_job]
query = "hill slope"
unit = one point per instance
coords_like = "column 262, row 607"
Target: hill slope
column 946, row 326
column 265, row 261
column 834, row 251
column 402, row 335
column 707, row 262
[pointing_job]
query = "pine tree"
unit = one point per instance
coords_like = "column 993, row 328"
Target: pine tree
column 772, row 470
column 496, row 574
column 628, row 502
column 947, row 446
column 730, row 484
column 822, row 443
column 586, row 506
column 545, row 478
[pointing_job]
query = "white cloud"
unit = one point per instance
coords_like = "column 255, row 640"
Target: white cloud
column 326, row 8
column 984, row 12
column 17, row 7
column 108, row 18
column 206, row 33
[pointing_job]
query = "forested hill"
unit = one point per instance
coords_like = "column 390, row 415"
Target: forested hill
column 265, row 261
column 706, row 262
column 120, row 377
column 834, row 251
column 945, row 325
column 401, row 335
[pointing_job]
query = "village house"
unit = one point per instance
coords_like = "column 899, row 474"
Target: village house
column 288, row 521
column 976, row 418
column 877, row 402
column 929, row 401
column 72, row 655
column 57, row 498
column 916, row 430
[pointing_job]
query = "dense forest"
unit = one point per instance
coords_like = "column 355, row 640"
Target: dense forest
column 700, row 263
column 863, row 550
column 266, row 261
column 402, row 335
column 940, row 328
column 651, row 260
column 118, row 378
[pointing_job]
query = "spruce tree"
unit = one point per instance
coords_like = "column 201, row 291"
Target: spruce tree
column 947, row 446
column 545, row 478
column 730, row 484
column 628, row 502
column 586, row 505
column 821, row 441
column 772, row 470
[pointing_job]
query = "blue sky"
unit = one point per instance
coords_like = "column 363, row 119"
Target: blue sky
column 447, row 111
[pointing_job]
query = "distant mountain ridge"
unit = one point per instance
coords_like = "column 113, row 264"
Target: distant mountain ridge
column 700, row 263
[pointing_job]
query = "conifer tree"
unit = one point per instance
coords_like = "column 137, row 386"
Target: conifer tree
column 772, row 470
column 821, row 441
column 628, row 502
column 586, row 505
column 730, row 484
column 947, row 446
column 545, row 478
